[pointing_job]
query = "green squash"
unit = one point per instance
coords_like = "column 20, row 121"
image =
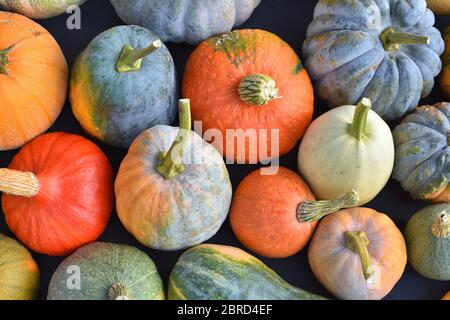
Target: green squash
column 106, row 271
column 213, row 272
column 39, row 9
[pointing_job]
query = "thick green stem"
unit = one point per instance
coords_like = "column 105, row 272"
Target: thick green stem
column 4, row 60
column 392, row 40
column 258, row 89
column 118, row 291
column 441, row 228
column 358, row 128
column 131, row 59
column 170, row 164
column 310, row 211
column 358, row 243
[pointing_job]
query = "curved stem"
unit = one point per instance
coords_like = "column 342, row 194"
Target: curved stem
column 4, row 60
column 17, row 183
column 358, row 128
column 358, row 243
column 170, row 162
column 392, row 39
column 118, row 291
column 310, row 211
column 131, row 59
column 258, row 89
column 441, row 228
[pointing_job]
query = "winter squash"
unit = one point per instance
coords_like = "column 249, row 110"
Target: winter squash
column 358, row 254
column 268, row 211
column 185, row 21
column 213, row 272
column 422, row 153
column 57, row 193
column 347, row 148
column 172, row 190
column 427, row 236
column 387, row 51
column 106, row 271
column 19, row 273
column 441, row 7
column 447, row 296
column 39, row 9
column 33, row 80
column 445, row 75
column 123, row 83
column 251, row 84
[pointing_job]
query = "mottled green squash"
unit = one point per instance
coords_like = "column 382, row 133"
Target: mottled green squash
column 39, row 9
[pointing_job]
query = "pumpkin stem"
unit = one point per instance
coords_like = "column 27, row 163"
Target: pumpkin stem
column 258, row 89
column 358, row 128
column 170, row 164
column 118, row 291
column 131, row 59
column 392, row 39
column 441, row 228
column 17, row 183
column 358, row 243
column 310, row 211
column 4, row 60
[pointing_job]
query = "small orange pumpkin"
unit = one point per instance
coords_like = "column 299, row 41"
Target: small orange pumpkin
column 447, row 296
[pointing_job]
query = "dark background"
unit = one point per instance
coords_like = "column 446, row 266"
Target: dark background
column 289, row 20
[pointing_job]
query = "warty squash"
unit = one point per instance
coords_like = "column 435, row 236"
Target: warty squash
column 39, row 9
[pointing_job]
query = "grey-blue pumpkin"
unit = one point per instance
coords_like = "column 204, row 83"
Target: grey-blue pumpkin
column 385, row 50
column 188, row 21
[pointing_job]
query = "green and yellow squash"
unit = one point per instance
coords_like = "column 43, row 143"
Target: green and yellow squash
column 39, row 9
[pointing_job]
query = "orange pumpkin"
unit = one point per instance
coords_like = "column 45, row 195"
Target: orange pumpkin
column 447, row 296
column 249, row 79
column 33, row 80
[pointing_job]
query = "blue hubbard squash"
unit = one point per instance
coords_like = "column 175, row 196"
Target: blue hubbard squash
column 123, row 83
column 185, row 21
column 173, row 190
column 387, row 51
column 39, row 9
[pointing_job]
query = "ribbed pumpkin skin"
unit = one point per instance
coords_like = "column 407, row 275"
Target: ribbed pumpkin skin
column 429, row 255
column 346, row 58
column 213, row 272
column 177, row 213
column 75, row 199
column 33, row 90
column 40, row 9
column 423, row 154
column 19, row 273
column 102, row 265
column 185, row 21
column 116, row 107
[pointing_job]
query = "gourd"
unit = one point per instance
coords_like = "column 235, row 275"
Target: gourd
column 252, row 94
column 57, row 193
column 33, row 78
column 123, row 83
column 445, row 75
column 387, row 51
column 447, row 296
column 422, row 153
column 358, row 254
column 19, row 273
column 441, row 7
column 427, row 236
column 347, row 148
column 214, row 272
column 268, row 212
column 185, row 21
column 172, row 190
column 39, row 9
column 106, row 271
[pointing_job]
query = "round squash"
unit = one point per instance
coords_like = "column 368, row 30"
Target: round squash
column 447, row 296
column 19, row 273
column 422, row 153
column 387, row 51
column 358, row 254
column 250, row 90
column 185, row 21
column 106, row 271
column 57, row 193
column 348, row 148
column 268, row 211
column 33, row 80
column 39, row 9
column 427, row 236
column 172, row 190
column 123, row 83
column 445, row 75
column 441, row 7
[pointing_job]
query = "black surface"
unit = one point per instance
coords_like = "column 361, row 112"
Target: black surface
column 289, row 20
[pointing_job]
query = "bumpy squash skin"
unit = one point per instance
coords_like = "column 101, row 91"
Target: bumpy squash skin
column 445, row 75
column 213, row 272
column 19, row 273
column 347, row 60
column 185, row 21
column 39, row 9
column 102, row 265
column 116, row 107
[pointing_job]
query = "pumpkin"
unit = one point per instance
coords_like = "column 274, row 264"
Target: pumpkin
column 384, row 50
column 347, row 148
column 185, row 21
column 427, row 236
column 268, row 211
column 422, row 155
column 39, row 9
column 33, row 80
column 358, row 254
column 57, row 193
column 106, row 271
column 214, row 272
column 447, row 296
column 123, row 83
column 445, row 75
column 441, row 7
column 251, row 93
column 172, row 190
column 19, row 273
